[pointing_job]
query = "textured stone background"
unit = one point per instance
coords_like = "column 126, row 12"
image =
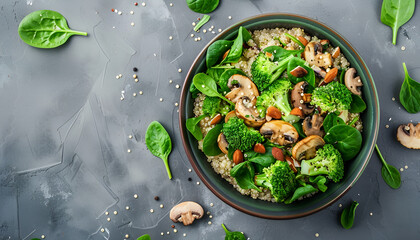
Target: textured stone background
column 64, row 130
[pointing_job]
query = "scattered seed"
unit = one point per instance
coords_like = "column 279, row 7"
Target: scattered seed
column 161, row 233
column 393, row 99
column 170, row 81
column 134, row 76
column 119, row 13
column 129, row 150
column 209, row 222
column 177, row 86
column 210, row 216
column 151, row 210
column 154, row 54
column 172, row 226
column 208, row 212
column 108, row 219
column 190, row 170
column 198, row 183
column 219, row 30
column 136, row 3
column 135, row 69
column 127, row 208
column 136, row 80
column 141, row 92
column 406, row 167
column 107, row 213
column 199, row 38
column 211, row 204
column 403, row 48
column 184, row 234
column 204, row 31
column 156, row 198
column 161, row 99
column 170, row 37
column 192, row 35
column 193, row 23
column 132, row 24
column 179, row 70
column 143, row 4
column 387, row 126
column 189, row 179
column 171, row 4
column 115, row 212
column 127, row 236
column 168, row 233
column 371, row 214
column 175, row 230
column 136, row 196
column 161, row 205
column 340, row 205
column 102, row 230
column 131, row 12
column 402, row 169
column 389, row 119
column 196, row 39
column 176, row 104
column 230, row 17
column 42, row 236
column 134, row 94
column 316, row 234
column 112, row 10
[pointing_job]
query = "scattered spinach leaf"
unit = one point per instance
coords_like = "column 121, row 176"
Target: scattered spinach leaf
column 210, row 147
column 410, row 93
column 224, row 78
column 295, row 62
column 244, row 173
column 159, row 143
column 300, row 192
column 203, row 21
column 144, row 237
column 233, row 235
column 295, row 40
column 396, row 13
column 280, row 53
column 348, row 214
column 390, row 174
column 208, row 86
column 347, row 140
column 235, row 51
column 320, row 182
column 45, row 29
column 357, row 104
column 203, row 6
column 331, row 120
column 299, row 129
column 216, row 51
column 194, row 128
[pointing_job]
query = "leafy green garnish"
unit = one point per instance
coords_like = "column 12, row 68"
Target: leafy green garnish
column 45, row 29
column 347, row 140
column 159, row 143
column 244, row 173
column 331, row 120
column 300, row 192
column 207, row 86
column 396, row 13
column 144, row 237
column 389, row 173
column 216, row 51
column 233, row 235
column 203, row 6
column 194, row 128
column 410, row 93
column 357, row 104
column 348, row 214
column 235, row 51
column 210, row 147
column 203, row 21
column 295, row 62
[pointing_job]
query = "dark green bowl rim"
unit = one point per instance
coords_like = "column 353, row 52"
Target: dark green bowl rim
column 373, row 132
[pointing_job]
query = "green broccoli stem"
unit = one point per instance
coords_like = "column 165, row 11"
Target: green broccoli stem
column 354, row 121
column 262, row 180
column 168, row 170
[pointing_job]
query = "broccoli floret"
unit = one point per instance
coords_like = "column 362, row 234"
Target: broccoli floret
column 264, row 71
column 328, row 161
column 279, row 178
column 277, row 95
column 332, row 97
column 215, row 105
column 239, row 136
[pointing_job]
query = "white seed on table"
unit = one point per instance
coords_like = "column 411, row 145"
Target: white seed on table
column 102, row 230
column 209, row 222
column 141, row 92
column 107, row 213
column 401, row 169
column 127, row 236
column 115, row 212
column 161, row 233
column 219, row 30
column 192, row 35
column 143, row 4
column 371, row 214
column 176, row 104
column 108, row 219
column 198, row 183
column 130, row 136
column 151, row 210
column 119, row 13
column 179, row 70
column 170, row 81
column 211, row 204
column 161, row 206
column 196, row 39
column 170, row 37
column 177, row 86
column 161, row 99
column 127, row 208
column 136, row 80
column 131, row 12
column 168, row 232
column 403, row 48
column 230, row 17
column 129, row 150
column 193, row 23
column 406, row 167
column 42, row 236
column 210, row 216
column 132, row 23
column 135, row 76
column 171, row 4
column 134, row 94
column 204, row 31
column 316, row 234
column 190, row 170
column 136, row 196
column 175, row 230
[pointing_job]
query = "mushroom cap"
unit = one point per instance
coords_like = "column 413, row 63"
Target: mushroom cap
column 354, row 84
column 312, row 125
column 409, row 135
column 241, row 86
column 229, row 115
column 313, row 55
column 306, row 148
column 246, row 110
column 296, row 97
column 280, row 132
column 186, row 212
column 222, row 143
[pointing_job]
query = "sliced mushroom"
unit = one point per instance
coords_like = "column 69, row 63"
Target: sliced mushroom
column 241, row 86
column 186, row 212
column 312, row 125
column 297, row 98
column 246, row 110
column 299, row 72
column 409, row 135
column 229, row 115
column 306, row 148
column 313, row 55
column 354, row 84
column 222, row 143
column 280, row 132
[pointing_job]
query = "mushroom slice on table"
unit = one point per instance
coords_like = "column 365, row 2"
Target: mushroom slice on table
column 354, row 84
column 409, row 135
column 280, row 132
column 186, row 212
column 297, row 98
column 312, row 125
column 313, row 55
column 222, row 143
column 246, row 110
column 241, row 86
column 306, row 148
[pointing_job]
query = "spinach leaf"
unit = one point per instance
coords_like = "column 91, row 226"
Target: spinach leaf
column 235, row 51
column 262, row 159
column 342, row 74
column 300, row 192
column 357, row 104
column 347, row 140
column 244, row 175
column 216, row 51
column 347, row 216
column 45, row 29
column 295, row 62
column 299, row 129
column 389, row 173
column 193, row 90
column 396, row 13
column 210, row 147
column 233, row 235
column 295, row 40
column 159, row 143
column 144, row 237
column 203, row 21
column 280, row 53
column 208, row 86
column 224, row 78
column 203, row 6
column 194, row 128
column 216, row 73
column 410, row 93
column 319, row 181
column 331, row 120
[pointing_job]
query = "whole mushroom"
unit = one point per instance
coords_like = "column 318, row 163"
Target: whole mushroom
column 314, row 55
column 245, row 109
column 312, row 125
column 297, row 98
column 186, row 212
column 354, row 84
column 306, row 148
column 241, row 86
column 279, row 132
column 409, row 135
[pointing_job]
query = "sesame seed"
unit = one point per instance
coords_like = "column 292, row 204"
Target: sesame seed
column 170, row 37
column 117, row 77
column 209, row 222
column 403, row 48
column 141, row 92
column 127, row 236
column 171, row 4
column 175, row 230
column 340, row 205
column 151, row 210
column 161, row 99
column 136, row 196
column 196, row 39
column 387, row 126
column 131, row 12
column 161, row 233
column 179, row 70
column 134, row 94
column 136, row 80
column 208, row 212
column 134, row 76
column 184, row 234
column 393, row 99
column 210, row 216
column 129, row 150
column 192, row 35
column 193, row 23
column 143, row 4
column 406, row 167
column 199, row 38
column 168, row 233
column 127, row 208
column 170, row 81
column 371, row 214
column 389, row 119
column 402, row 169
column 132, row 24
column 176, row 104
column 211, row 204
column 154, row 54
column 130, row 136
column 102, row 230
column 316, row 234
column 42, row 236
column 119, row 13
column 204, row 31
column 219, row 30
column 115, row 212
column 107, row 213
column 190, row 170
column 108, row 219
column 161, row 205
column 177, row 86
column 230, row 17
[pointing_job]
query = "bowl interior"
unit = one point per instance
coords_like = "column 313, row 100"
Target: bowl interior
column 353, row 169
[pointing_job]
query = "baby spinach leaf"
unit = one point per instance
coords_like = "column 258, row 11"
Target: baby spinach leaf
column 342, row 74
column 390, row 174
column 144, row 237
column 224, row 78
column 348, row 214
column 203, row 21
column 203, row 6
column 193, row 90
column 319, row 181
column 331, row 120
column 208, row 86
column 45, row 29
column 347, row 140
column 396, row 13
column 300, row 192
column 299, row 129
column 235, row 51
column 210, row 147
column 357, row 104
column 410, row 93
column 216, row 51
column 280, row 53
column 233, row 235
column 215, row 73
column 159, row 143
column 263, row 159
column 194, row 128
column 244, row 175
column 295, row 62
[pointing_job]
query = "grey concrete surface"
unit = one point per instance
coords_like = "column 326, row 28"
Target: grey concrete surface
column 64, row 130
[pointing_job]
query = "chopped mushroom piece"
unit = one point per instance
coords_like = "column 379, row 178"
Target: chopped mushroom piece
column 280, row 132
column 354, row 84
column 229, row 115
column 297, row 98
column 299, row 72
column 186, row 212
column 312, row 125
column 313, row 55
column 409, row 135
column 306, row 148
column 241, row 86
column 222, row 143
column 246, row 110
